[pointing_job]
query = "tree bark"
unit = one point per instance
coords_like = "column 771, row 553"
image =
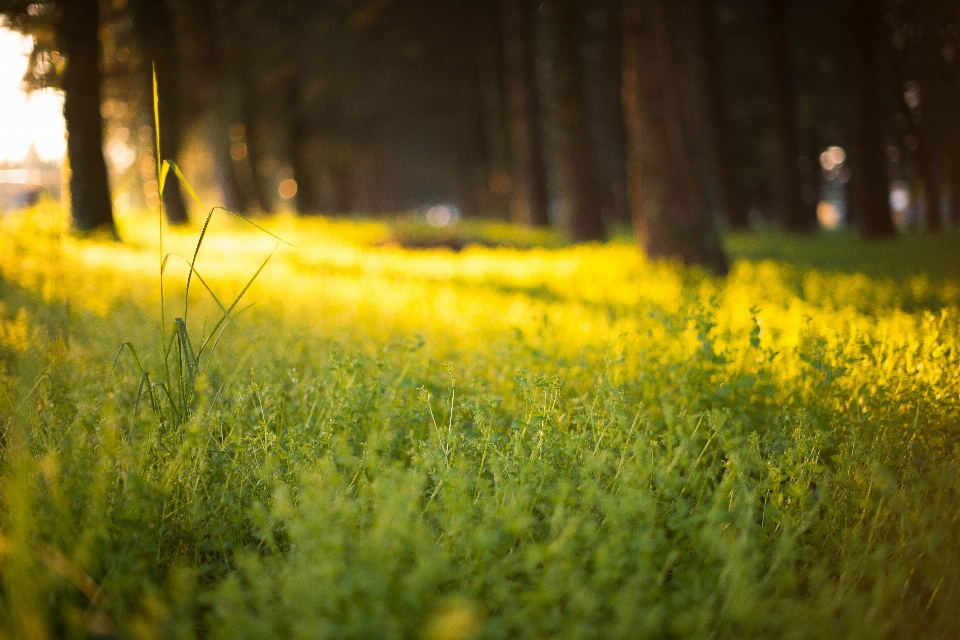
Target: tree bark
column 251, row 123
column 224, row 169
column 487, row 44
column 89, row 188
column 731, row 198
column 528, row 191
column 931, row 120
column 301, row 138
column 600, row 51
column 793, row 214
column 955, row 177
column 870, row 182
column 668, row 193
column 204, row 32
column 574, row 183
column 154, row 26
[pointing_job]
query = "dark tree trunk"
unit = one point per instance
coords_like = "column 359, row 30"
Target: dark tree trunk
column 870, row 186
column 215, row 92
column 487, row 43
column 89, row 190
column 154, row 26
column 600, row 52
column 528, row 192
column 574, row 171
column 302, row 160
column 255, row 157
column 917, row 103
column 955, row 177
column 931, row 104
column 224, row 171
column 471, row 184
column 731, row 198
column 794, row 216
column 668, row 192
column 342, row 178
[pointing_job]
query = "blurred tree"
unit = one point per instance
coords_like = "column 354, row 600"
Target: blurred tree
column 599, row 34
column 732, row 203
column 929, row 111
column 950, row 54
column 494, row 184
column 793, row 215
column 870, row 182
column 66, row 54
column 528, row 195
column 744, row 72
column 571, row 159
column 158, row 38
column 917, row 35
column 212, row 101
column 661, row 103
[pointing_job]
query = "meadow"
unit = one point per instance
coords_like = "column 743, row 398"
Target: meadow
column 523, row 441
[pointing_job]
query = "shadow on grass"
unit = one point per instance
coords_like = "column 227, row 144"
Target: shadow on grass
column 907, row 255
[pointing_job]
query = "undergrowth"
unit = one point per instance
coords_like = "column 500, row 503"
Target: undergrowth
column 495, row 443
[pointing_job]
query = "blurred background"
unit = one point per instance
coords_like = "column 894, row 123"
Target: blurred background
column 814, row 110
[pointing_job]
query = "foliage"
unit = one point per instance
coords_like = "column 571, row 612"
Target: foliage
column 549, row 442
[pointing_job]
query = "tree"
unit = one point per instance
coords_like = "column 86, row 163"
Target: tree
column 206, row 69
column 574, row 173
column 600, row 48
column 67, row 31
column 871, row 185
column 89, row 190
column 155, row 28
column 528, row 194
column 661, row 87
column 734, row 207
column 794, row 216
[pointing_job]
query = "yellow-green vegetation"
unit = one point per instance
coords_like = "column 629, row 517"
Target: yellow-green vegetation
column 493, row 443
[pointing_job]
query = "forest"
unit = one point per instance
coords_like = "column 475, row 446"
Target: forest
column 419, row 319
column 529, row 112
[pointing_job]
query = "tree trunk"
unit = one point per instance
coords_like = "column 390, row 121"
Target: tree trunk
column 600, row 52
column 301, row 139
column 224, row 171
column 528, row 192
column 665, row 163
column 870, row 183
column 89, row 189
column 251, row 124
column 155, row 29
column 487, row 44
column 955, row 177
column 574, row 172
column 731, row 198
column 203, row 29
column 931, row 120
column 793, row 214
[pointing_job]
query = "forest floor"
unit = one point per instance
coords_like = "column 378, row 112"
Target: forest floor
column 522, row 441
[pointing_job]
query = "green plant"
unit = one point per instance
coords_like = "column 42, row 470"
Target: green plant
column 173, row 396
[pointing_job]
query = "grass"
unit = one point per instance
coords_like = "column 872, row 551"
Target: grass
column 496, row 443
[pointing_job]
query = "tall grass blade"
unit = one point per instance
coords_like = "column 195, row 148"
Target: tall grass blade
column 160, row 179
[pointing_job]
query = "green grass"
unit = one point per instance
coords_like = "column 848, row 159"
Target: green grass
column 497, row 443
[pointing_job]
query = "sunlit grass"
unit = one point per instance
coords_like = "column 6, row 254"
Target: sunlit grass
column 495, row 442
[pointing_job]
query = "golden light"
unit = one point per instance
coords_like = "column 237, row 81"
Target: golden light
column 238, row 151
column 36, row 118
column 288, row 188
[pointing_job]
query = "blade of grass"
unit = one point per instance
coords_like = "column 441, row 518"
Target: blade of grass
column 196, row 252
column 160, row 178
column 226, row 316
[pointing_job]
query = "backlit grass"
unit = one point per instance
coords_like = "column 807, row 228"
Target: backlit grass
column 494, row 443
